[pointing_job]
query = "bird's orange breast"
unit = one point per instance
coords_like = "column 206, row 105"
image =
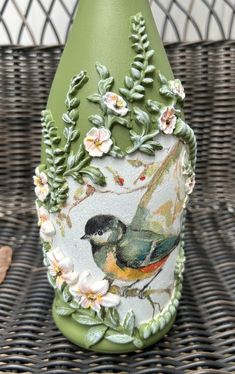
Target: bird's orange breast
column 129, row 274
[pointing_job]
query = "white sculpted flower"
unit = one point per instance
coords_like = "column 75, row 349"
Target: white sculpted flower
column 47, row 229
column 98, row 141
column 177, row 88
column 168, row 121
column 41, row 184
column 116, row 103
column 91, row 293
column 61, row 267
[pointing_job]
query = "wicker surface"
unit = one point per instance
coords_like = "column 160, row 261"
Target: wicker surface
column 203, row 336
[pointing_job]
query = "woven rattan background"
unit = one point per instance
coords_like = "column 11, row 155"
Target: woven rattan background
column 203, row 336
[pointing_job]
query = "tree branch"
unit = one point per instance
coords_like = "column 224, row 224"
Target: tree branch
column 173, row 154
column 137, row 292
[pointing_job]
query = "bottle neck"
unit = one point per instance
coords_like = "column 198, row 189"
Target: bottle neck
column 113, row 8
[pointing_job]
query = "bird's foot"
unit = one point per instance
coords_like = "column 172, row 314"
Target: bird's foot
column 142, row 292
column 126, row 290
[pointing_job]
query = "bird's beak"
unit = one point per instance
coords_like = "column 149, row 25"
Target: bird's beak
column 84, row 237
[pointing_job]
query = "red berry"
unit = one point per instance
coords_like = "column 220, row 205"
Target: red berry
column 119, row 180
column 143, row 178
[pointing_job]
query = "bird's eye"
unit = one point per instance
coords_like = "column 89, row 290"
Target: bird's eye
column 100, row 232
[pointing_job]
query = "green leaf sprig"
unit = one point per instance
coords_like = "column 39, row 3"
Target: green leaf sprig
column 141, row 70
column 56, row 163
column 72, row 115
column 144, row 141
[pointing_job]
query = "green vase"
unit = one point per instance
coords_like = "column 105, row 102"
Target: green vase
column 116, row 174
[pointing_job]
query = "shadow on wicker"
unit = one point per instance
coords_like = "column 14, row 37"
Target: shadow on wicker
column 202, row 339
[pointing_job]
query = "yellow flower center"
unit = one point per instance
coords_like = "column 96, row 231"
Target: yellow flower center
column 119, row 103
column 97, row 142
column 57, row 269
column 38, row 182
column 93, row 297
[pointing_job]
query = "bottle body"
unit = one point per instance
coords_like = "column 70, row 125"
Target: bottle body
column 117, row 168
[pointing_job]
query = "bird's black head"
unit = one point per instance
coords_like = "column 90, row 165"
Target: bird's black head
column 104, row 229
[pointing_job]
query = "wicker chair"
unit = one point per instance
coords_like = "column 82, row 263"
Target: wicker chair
column 203, row 336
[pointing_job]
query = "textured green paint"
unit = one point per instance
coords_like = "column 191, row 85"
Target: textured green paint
column 101, row 33
column 76, row 332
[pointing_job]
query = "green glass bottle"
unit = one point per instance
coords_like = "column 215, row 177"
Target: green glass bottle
column 117, row 169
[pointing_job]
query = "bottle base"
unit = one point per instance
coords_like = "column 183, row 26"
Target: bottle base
column 76, row 333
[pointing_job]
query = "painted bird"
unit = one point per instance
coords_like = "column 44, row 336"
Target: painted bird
column 125, row 253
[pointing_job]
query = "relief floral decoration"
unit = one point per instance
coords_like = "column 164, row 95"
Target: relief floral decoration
column 80, row 293
column 98, row 141
column 91, row 293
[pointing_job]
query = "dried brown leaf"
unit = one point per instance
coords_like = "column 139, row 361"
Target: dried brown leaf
column 5, row 261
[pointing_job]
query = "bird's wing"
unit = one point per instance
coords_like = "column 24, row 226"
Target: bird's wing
column 145, row 235
column 144, row 248
column 162, row 249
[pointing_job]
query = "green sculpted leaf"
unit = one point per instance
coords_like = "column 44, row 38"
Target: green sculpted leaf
column 79, row 167
column 95, row 98
column 66, row 294
column 154, row 327
column 105, row 85
column 147, row 81
column 86, row 320
column 162, row 78
column 67, row 119
column 153, row 106
column 74, row 304
column 94, row 174
column 129, row 322
column 118, row 120
column 55, row 164
column 64, row 311
column 96, row 120
column 94, row 335
column 141, row 68
column 112, row 317
column 129, row 82
column 145, row 330
column 74, row 160
column 150, row 148
column 138, row 343
column 63, row 308
column 116, row 152
column 144, row 141
column 70, row 134
column 51, row 280
column 102, row 70
column 72, row 103
column 142, row 118
column 120, row 338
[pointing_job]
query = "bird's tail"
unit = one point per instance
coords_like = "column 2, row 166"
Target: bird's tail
column 164, row 248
